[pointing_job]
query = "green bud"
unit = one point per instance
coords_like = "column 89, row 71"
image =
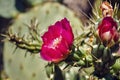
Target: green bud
column 81, row 52
column 98, row 51
column 106, row 55
column 49, row 70
column 94, row 50
column 89, row 58
column 80, row 63
column 76, row 57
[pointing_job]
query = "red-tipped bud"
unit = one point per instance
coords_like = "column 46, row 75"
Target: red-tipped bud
column 107, row 30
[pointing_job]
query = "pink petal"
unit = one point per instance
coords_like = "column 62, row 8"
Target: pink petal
column 50, row 54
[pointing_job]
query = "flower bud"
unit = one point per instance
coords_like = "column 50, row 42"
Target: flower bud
column 107, row 31
column 57, row 41
column 107, row 9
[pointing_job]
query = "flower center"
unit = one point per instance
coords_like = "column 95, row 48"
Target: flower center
column 55, row 42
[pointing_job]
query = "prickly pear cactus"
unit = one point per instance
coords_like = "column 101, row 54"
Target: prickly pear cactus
column 34, row 2
column 31, row 67
column 9, row 9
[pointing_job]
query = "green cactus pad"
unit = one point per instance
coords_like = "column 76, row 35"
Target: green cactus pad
column 31, row 67
column 7, row 8
column 34, row 2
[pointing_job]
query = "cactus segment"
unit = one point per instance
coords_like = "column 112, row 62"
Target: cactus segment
column 9, row 10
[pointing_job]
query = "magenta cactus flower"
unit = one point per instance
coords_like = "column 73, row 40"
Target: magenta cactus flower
column 107, row 30
column 57, row 41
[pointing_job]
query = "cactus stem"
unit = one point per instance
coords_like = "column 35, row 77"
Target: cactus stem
column 22, row 43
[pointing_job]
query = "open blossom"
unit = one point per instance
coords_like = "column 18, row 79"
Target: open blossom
column 57, row 41
column 107, row 30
